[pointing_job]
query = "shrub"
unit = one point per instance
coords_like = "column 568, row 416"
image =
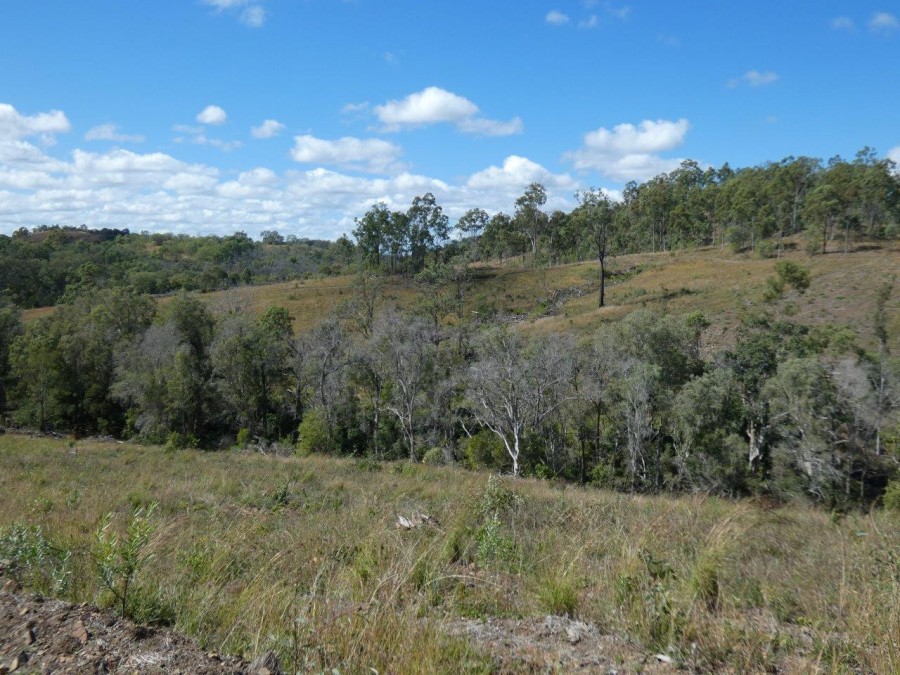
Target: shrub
column 27, row 556
column 243, row 438
column 312, row 435
column 484, row 451
column 892, row 496
column 119, row 559
column 766, row 249
column 434, row 456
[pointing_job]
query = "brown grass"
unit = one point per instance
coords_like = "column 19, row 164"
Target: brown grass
column 300, row 555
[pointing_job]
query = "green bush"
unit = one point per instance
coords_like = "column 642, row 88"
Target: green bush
column 30, row 558
column 243, row 438
column 892, row 496
column 118, row 559
column 312, row 435
column 484, row 450
column 434, row 456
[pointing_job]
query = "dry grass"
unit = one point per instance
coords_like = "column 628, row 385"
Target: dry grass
column 718, row 283
column 301, row 555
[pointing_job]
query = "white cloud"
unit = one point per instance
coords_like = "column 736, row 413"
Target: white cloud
column 556, row 18
column 754, row 78
column 268, row 129
column 434, row 105
column 14, row 125
column 212, row 114
column 254, row 16
column 591, row 22
column 629, row 152
column 371, row 155
column 429, row 106
column 157, row 191
column 842, row 23
column 883, row 22
column 894, row 155
column 515, row 175
column 110, row 132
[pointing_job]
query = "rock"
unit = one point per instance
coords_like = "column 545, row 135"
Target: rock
column 11, row 586
column 265, row 664
column 80, row 633
column 414, row 521
column 28, row 636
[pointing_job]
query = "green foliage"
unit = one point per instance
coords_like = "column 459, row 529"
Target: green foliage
column 787, row 274
column 558, row 595
column 484, row 450
column 891, row 497
column 313, row 434
column 119, row 558
column 30, row 558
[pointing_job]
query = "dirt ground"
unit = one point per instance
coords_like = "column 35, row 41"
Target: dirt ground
column 554, row 644
column 39, row 635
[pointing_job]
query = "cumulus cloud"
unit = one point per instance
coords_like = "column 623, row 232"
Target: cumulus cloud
column 883, row 22
column 516, row 174
column 157, row 191
column 434, row 105
column 14, row 125
column 629, row 152
column 268, row 129
column 371, row 155
column 212, row 114
column 110, row 132
column 556, row 18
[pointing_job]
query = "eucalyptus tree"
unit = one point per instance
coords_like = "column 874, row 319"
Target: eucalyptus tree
column 405, row 360
column 515, row 387
column 472, row 223
column 429, row 228
column 249, row 357
column 370, row 233
column 529, row 216
column 598, row 212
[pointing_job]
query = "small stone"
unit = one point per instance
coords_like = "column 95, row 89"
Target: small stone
column 28, row 636
column 11, row 586
column 23, row 611
column 80, row 633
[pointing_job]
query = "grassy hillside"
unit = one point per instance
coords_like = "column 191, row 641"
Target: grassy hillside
column 302, row 556
column 563, row 298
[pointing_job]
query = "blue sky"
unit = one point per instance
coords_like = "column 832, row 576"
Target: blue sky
column 203, row 116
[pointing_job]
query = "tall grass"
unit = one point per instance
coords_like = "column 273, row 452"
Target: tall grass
column 317, row 571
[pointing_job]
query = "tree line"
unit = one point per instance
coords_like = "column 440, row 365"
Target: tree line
column 39, row 267
column 752, row 208
column 789, row 410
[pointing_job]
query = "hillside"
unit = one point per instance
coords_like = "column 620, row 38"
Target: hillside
column 711, row 280
column 304, row 557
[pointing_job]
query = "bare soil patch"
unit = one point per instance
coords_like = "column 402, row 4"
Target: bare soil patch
column 39, row 635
